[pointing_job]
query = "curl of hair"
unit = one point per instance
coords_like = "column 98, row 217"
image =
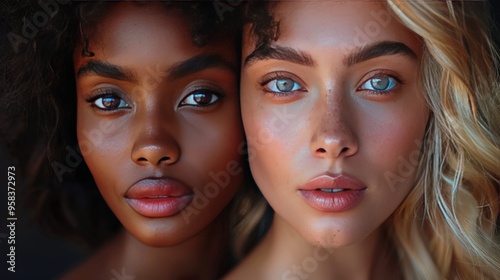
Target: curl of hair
column 38, row 111
column 254, row 216
column 258, row 14
column 446, row 228
column 251, row 221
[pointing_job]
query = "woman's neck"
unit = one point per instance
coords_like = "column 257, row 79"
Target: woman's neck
column 201, row 257
column 198, row 258
column 284, row 254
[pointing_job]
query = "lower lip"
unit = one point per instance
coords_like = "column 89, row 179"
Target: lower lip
column 159, row 207
column 333, row 202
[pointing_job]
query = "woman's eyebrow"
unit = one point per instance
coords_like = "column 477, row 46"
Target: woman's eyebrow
column 184, row 68
column 300, row 57
column 199, row 63
column 104, row 69
column 378, row 49
column 279, row 53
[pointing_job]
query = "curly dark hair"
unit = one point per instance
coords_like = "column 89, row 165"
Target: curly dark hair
column 259, row 16
column 38, row 109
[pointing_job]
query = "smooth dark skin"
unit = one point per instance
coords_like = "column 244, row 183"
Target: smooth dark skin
column 147, row 67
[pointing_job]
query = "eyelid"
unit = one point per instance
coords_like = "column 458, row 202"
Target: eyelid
column 197, row 86
column 380, row 73
column 106, row 91
column 278, row 96
column 184, row 104
column 201, row 85
column 280, row 75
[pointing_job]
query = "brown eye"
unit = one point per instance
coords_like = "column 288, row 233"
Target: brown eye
column 200, row 98
column 107, row 99
column 110, row 103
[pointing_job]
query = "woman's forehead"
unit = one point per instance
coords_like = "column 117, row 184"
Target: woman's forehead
column 337, row 22
column 336, row 25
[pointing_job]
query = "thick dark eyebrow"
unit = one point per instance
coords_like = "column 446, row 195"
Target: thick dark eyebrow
column 280, row 53
column 376, row 50
column 192, row 65
column 199, row 63
column 100, row 68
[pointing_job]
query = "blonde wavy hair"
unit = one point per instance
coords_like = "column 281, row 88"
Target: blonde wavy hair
column 446, row 228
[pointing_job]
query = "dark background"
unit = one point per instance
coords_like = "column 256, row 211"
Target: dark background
column 39, row 256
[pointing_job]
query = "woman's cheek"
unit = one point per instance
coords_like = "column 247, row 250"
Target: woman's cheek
column 398, row 152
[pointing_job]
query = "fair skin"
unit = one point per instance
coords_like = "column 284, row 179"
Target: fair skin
column 166, row 160
column 354, row 111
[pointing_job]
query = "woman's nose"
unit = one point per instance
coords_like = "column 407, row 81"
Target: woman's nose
column 155, row 142
column 334, row 134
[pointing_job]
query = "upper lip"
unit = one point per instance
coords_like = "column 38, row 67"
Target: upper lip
column 157, row 188
column 333, row 181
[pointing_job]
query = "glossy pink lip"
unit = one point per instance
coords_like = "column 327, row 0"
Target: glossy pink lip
column 155, row 198
column 333, row 193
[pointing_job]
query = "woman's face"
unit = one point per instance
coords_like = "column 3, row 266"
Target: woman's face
column 158, row 122
column 334, row 117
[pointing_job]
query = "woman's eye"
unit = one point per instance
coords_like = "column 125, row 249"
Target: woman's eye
column 110, row 103
column 380, row 84
column 200, row 98
column 282, row 85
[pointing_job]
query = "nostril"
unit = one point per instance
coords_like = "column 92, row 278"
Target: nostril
column 321, row 150
column 164, row 159
column 142, row 159
column 344, row 150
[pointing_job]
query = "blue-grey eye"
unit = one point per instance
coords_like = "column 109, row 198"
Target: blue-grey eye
column 283, row 85
column 379, row 84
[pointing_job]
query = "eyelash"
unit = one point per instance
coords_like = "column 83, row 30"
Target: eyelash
column 381, row 75
column 395, row 81
column 97, row 94
column 214, row 93
column 102, row 93
column 275, row 76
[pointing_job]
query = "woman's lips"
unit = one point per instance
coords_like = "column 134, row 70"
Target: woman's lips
column 333, row 193
column 157, row 198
